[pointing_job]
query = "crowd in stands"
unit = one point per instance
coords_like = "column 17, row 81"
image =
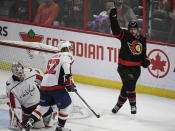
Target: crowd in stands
column 160, row 14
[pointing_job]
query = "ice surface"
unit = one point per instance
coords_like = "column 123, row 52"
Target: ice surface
column 154, row 113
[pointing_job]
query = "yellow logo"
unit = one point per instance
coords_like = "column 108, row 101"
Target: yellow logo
column 135, row 47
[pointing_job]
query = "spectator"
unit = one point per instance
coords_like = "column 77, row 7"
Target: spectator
column 73, row 14
column 47, row 12
column 125, row 14
column 20, row 10
column 172, row 4
column 101, row 22
column 93, row 9
column 131, row 3
column 163, row 4
column 171, row 37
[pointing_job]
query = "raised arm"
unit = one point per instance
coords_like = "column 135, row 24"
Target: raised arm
column 116, row 30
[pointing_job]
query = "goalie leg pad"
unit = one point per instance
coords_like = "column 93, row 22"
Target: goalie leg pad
column 39, row 124
column 15, row 117
column 49, row 120
column 39, row 111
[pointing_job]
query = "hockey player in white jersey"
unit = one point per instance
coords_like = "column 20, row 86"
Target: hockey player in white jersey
column 23, row 93
column 56, row 84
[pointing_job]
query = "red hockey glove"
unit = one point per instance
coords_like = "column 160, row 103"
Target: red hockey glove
column 69, row 83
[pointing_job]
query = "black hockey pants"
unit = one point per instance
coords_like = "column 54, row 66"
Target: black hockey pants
column 129, row 76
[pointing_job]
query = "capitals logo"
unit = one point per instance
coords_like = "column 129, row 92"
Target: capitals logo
column 135, row 47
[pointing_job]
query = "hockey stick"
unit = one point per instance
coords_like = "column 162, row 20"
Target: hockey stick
column 97, row 115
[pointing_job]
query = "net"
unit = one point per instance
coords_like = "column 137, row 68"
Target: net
column 35, row 55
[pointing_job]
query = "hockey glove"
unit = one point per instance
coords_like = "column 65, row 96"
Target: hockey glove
column 69, row 83
column 38, row 80
column 113, row 14
column 146, row 63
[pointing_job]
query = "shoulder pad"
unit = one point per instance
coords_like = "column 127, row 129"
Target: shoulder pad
column 8, row 83
column 32, row 71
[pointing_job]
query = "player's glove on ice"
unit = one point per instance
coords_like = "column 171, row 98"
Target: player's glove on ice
column 146, row 63
column 69, row 83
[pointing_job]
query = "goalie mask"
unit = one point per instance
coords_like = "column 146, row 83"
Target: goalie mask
column 18, row 70
column 63, row 45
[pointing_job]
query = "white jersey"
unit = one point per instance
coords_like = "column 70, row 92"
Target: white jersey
column 24, row 93
column 58, row 66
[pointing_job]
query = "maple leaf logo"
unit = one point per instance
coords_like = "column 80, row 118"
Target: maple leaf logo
column 158, row 64
column 31, row 34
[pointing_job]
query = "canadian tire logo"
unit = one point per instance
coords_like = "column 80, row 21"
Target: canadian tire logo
column 31, row 36
column 160, row 64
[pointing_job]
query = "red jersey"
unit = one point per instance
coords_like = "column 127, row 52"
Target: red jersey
column 47, row 14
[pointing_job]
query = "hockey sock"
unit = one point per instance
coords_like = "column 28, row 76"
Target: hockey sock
column 132, row 97
column 121, row 101
column 61, row 122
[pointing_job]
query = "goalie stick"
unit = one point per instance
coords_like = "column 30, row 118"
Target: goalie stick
column 97, row 115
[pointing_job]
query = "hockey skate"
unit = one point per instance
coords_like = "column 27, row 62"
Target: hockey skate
column 115, row 109
column 59, row 128
column 133, row 109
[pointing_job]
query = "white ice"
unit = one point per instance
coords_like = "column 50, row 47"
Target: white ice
column 154, row 113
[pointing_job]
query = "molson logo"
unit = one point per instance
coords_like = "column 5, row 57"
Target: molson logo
column 31, row 36
column 135, row 47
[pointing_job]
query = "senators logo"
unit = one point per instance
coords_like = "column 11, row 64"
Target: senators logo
column 135, row 47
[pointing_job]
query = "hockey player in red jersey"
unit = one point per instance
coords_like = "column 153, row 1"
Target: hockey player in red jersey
column 132, row 55
column 22, row 90
column 56, row 84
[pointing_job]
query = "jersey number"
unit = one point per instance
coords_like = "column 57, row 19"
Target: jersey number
column 52, row 63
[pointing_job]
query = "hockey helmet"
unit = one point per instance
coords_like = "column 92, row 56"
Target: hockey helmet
column 133, row 24
column 18, row 69
column 64, row 44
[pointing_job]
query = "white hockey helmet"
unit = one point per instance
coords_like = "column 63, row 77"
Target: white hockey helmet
column 18, row 69
column 64, row 44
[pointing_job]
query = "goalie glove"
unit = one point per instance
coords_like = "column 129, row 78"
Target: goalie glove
column 69, row 83
column 146, row 63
